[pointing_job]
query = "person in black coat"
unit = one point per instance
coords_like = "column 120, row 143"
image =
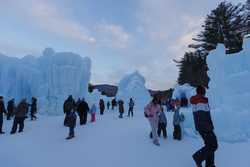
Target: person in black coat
column 101, row 106
column 204, row 125
column 82, row 110
column 131, row 107
column 20, row 115
column 68, row 105
column 113, row 103
column 108, row 105
column 2, row 111
column 10, row 109
column 33, row 109
column 121, row 108
column 71, row 123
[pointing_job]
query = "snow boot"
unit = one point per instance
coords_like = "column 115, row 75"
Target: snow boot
column 197, row 162
column 69, row 137
column 12, row 133
column 2, row 132
column 151, row 135
column 156, row 142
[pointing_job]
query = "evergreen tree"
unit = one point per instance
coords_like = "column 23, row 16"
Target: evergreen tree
column 223, row 25
column 193, row 69
column 247, row 18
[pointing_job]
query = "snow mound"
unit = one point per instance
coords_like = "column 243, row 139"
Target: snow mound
column 133, row 86
column 183, row 91
column 51, row 78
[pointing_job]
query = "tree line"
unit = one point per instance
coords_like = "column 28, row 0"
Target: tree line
column 227, row 24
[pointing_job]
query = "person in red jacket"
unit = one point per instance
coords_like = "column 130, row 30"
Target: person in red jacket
column 204, row 125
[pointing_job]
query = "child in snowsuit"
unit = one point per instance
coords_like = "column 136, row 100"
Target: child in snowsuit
column 162, row 124
column 177, row 120
column 93, row 112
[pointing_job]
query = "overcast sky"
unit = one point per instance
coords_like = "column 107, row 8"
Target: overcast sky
column 119, row 36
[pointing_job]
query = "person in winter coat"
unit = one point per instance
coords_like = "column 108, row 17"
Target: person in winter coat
column 82, row 110
column 121, row 108
column 113, row 103
column 101, row 106
column 68, row 105
column 2, row 111
column 204, row 125
column 10, row 109
column 20, row 115
column 33, row 109
column 151, row 112
column 93, row 112
column 71, row 123
column 177, row 119
column 108, row 105
column 77, row 103
column 131, row 107
column 162, row 126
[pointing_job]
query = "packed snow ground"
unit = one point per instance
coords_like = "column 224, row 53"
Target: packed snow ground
column 110, row 142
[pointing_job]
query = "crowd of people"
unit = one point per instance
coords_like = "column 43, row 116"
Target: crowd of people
column 81, row 107
column 202, row 121
column 19, row 113
column 153, row 111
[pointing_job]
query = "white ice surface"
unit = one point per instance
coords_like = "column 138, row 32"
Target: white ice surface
column 50, row 77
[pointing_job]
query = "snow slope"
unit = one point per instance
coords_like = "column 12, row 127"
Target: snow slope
column 50, row 77
column 110, row 142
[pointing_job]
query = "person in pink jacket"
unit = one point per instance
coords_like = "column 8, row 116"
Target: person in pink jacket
column 151, row 112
